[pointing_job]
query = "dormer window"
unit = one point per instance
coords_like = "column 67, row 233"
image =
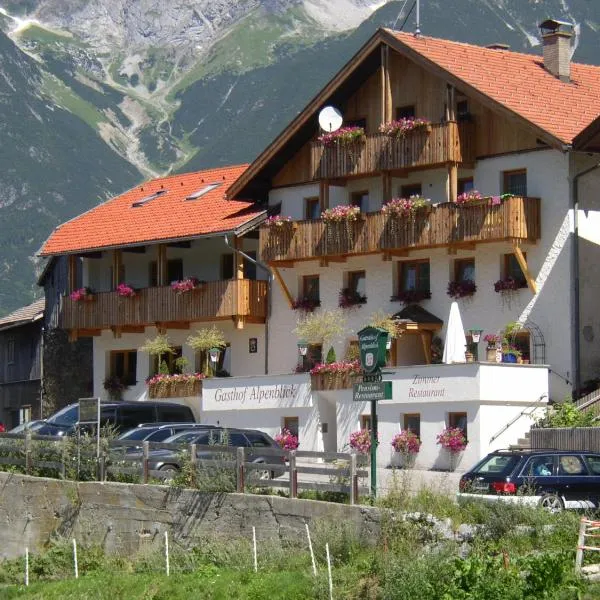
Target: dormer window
column 202, row 191
column 147, row 199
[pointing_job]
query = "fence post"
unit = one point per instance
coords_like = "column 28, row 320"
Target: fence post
column 63, row 452
column 146, row 453
column 101, row 467
column 353, row 480
column 293, row 475
column 240, row 470
column 194, row 461
column 28, row 452
column 580, row 545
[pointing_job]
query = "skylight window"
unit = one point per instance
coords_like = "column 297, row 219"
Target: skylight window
column 148, row 198
column 204, row 190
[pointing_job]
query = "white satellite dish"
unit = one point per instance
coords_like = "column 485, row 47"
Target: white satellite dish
column 330, row 119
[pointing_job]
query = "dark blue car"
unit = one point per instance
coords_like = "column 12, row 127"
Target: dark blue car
column 554, row 479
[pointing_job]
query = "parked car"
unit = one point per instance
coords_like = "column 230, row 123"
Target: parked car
column 32, row 426
column 159, row 432
column 168, row 462
column 554, row 479
column 122, row 415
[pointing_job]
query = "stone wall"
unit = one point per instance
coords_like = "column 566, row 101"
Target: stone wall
column 124, row 517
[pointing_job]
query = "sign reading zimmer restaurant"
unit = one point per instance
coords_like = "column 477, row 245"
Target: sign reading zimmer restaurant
column 237, row 393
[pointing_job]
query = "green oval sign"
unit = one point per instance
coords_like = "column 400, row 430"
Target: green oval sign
column 372, row 343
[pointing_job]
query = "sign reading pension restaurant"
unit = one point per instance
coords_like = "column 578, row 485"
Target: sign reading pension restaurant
column 257, row 393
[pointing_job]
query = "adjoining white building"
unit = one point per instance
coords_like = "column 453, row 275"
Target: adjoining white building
column 523, row 131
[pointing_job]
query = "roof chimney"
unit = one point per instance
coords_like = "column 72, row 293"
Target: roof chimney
column 498, row 46
column 556, row 36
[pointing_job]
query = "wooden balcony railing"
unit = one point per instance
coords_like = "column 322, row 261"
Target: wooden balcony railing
column 212, row 300
column 439, row 144
column 515, row 219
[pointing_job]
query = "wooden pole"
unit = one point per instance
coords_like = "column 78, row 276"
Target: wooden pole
column 312, row 554
column 161, row 266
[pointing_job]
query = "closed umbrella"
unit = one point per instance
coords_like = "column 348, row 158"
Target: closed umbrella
column 454, row 346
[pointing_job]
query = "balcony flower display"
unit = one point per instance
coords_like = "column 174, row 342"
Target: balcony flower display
column 342, row 137
column 407, row 444
column 278, row 221
column 341, row 214
column 461, row 289
column 338, row 375
column 349, row 298
column 411, row 296
column 491, row 339
column 180, row 385
column 125, row 291
column 185, row 285
column 475, row 197
column 452, row 439
column 405, row 207
column 400, row 127
column 287, row 440
column 306, row 304
column 508, row 284
column 360, row 441
column 82, row 294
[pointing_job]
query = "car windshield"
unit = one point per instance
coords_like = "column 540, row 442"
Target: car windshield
column 136, row 434
column 185, row 437
column 497, row 464
column 66, row 416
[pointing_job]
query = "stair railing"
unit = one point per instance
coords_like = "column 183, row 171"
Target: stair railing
column 527, row 411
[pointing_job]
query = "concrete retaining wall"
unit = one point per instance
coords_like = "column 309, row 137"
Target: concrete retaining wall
column 124, row 517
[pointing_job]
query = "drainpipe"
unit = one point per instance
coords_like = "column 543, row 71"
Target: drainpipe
column 575, row 276
column 264, row 267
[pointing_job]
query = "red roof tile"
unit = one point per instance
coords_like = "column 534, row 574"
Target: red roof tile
column 168, row 216
column 519, row 82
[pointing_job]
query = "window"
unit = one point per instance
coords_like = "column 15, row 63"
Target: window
column 405, row 112
column 258, row 441
column 458, row 420
column 462, row 111
column 465, row 184
column 593, row 464
column 202, row 191
column 174, row 271
column 412, row 422
column 571, row 465
column 360, row 199
column 227, row 266
column 414, row 276
column 237, row 440
column 413, row 189
column 539, row 466
column 464, row 269
column 310, row 288
column 292, row 424
column 132, row 416
column 159, row 436
column 512, row 269
column 313, row 355
column 169, row 359
column 10, row 351
column 515, row 182
column 312, row 208
column 498, row 464
column 174, row 414
column 123, row 364
column 365, row 422
column 357, row 282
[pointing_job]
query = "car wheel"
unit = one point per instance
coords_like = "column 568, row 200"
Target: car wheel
column 261, row 474
column 552, row 502
column 168, row 472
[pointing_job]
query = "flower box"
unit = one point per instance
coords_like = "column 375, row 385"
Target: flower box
column 175, row 386
column 411, row 296
column 461, row 289
column 401, row 127
column 335, row 376
column 343, row 137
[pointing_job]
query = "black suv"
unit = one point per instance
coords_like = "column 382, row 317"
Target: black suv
column 554, row 479
column 122, row 415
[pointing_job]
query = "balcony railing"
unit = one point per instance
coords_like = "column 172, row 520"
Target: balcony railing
column 212, row 300
column 439, row 144
column 448, row 224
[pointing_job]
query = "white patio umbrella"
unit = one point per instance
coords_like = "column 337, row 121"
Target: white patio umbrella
column 454, row 346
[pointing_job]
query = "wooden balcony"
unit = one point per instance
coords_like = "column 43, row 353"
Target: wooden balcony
column 241, row 299
column 440, row 144
column 516, row 219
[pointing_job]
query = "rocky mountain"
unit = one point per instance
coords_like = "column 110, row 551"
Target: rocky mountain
column 97, row 94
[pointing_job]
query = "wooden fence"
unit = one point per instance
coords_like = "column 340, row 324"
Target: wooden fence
column 566, row 438
column 64, row 457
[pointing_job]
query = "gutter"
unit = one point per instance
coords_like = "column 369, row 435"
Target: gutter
column 576, row 318
column 264, row 267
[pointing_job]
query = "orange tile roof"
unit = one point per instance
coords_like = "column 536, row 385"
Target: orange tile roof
column 169, row 216
column 519, row 82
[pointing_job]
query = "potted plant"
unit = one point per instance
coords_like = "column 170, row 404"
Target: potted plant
column 286, row 440
column 350, row 298
column 84, row 294
column 278, row 222
column 125, row 291
column 453, row 440
column 407, row 444
column 344, row 136
column 185, row 285
column 205, row 340
column 115, row 387
column 510, row 354
column 360, row 441
column 461, row 289
column 492, row 341
column 401, row 127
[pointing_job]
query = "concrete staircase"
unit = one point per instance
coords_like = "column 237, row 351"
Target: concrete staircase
column 523, row 443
